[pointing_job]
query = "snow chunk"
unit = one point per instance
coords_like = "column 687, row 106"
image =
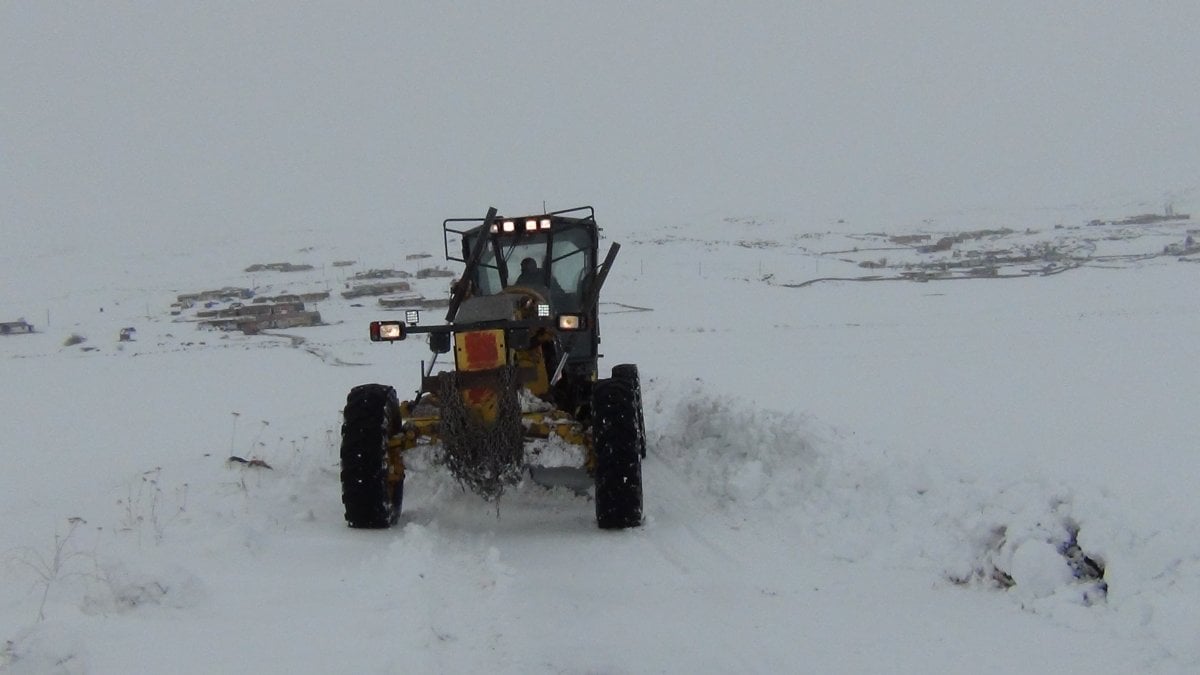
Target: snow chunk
column 1038, row 569
column 531, row 403
column 554, row 451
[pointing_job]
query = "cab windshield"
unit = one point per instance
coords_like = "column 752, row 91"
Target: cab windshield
column 554, row 262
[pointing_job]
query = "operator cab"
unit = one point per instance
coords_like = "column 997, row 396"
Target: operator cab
column 550, row 254
column 553, row 255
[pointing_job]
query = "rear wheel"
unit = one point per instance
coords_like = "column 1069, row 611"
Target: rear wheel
column 628, row 372
column 371, row 416
column 615, row 412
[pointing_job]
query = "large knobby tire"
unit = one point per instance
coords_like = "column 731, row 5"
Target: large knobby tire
column 371, row 416
column 618, row 461
column 629, row 373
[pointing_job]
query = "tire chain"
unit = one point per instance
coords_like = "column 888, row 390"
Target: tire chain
column 483, row 458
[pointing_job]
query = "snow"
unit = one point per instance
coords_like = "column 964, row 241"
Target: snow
column 842, row 476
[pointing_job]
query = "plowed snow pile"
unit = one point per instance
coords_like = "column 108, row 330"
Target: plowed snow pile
column 1071, row 554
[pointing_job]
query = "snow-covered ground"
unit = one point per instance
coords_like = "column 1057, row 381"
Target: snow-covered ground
column 842, row 476
column 863, row 457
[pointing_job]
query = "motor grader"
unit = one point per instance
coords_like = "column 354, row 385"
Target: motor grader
column 523, row 398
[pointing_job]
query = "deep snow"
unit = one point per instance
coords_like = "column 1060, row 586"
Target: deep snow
column 840, row 477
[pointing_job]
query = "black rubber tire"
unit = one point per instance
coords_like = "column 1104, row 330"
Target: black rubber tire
column 629, row 373
column 371, row 416
column 618, row 463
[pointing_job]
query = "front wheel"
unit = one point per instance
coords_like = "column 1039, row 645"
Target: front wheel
column 615, row 438
column 371, row 495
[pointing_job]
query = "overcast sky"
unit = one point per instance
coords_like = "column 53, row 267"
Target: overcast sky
column 198, row 122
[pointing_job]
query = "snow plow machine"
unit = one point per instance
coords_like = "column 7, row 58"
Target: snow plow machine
column 524, row 397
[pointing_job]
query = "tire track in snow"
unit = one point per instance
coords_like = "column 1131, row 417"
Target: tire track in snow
column 676, row 517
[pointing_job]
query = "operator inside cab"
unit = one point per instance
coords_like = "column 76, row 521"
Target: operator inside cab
column 530, row 274
column 534, row 277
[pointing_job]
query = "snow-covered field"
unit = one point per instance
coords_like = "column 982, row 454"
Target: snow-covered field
column 842, row 477
column 863, row 456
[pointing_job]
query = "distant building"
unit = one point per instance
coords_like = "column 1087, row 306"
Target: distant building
column 943, row 244
column 278, row 267
column 382, row 274
column 377, row 289
column 250, row 319
column 219, row 294
column 15, row 327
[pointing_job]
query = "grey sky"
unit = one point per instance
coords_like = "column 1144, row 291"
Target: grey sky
column 203, row 121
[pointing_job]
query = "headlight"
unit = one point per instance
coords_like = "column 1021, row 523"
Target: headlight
column 510, row 226
column 543, row 310
column 386, row 331
column 412, row 317
column 570, row 321
column 530, row 225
